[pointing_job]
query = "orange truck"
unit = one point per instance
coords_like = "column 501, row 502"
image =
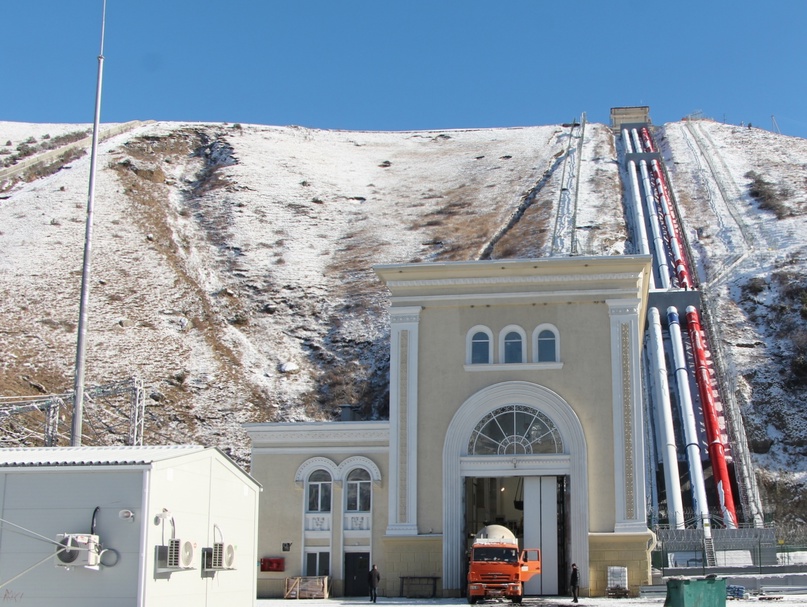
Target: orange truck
column 497, row 568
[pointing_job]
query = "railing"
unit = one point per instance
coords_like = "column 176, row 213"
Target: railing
column 743, row 550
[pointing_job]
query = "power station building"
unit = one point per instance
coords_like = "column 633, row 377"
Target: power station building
column 515, row 398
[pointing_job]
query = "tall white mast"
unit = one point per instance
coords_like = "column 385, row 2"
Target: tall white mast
column 78, row 402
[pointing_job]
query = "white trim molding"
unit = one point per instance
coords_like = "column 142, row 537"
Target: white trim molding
column 316, row 463
column 403, row 415
column 359, row 461
column 626, row 381
column 536, row 334
column 503, row 339
column 469, row 344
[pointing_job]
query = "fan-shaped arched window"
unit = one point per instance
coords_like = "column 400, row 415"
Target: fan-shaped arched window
column 319, row 491
column 359, row 491
column 513, row 430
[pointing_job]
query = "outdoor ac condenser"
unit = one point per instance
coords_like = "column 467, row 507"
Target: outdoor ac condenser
column 178, row 554
column 78, row 550
column 220, row 557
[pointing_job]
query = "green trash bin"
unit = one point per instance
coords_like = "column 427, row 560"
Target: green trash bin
column 706, row 592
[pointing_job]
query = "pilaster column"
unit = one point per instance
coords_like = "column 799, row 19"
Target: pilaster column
column 626, row 379
column 403, row 415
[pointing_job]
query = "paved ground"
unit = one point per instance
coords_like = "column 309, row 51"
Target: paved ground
column 790, row 600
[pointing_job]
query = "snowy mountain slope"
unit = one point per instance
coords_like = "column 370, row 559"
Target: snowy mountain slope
column 751, row 266
column 231, row 264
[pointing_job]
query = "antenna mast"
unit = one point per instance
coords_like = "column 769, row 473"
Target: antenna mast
column 775, row 124
column 78, row 396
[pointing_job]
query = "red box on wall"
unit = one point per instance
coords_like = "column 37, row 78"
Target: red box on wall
column 273, row 564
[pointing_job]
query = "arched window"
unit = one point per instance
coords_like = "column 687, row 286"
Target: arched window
column 479, row 346
column 546, row 344
column 513, row 430
column 480, row 349
column 512, row 345
column 359, row 491
column 319, row 491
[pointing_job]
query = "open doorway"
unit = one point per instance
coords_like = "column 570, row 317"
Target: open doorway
column 536, row 509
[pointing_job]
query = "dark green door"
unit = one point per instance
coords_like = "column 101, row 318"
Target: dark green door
column 357, row 566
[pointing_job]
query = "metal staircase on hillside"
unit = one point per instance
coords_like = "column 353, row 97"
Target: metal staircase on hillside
column 709, row 552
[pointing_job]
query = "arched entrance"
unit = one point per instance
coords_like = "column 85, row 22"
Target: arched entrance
column 514, row 429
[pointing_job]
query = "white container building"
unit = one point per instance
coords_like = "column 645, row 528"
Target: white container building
column 127, row 526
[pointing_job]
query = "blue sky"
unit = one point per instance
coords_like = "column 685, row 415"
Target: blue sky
column 418, row 64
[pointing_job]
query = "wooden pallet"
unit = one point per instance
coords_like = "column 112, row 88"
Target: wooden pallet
column 306, row 588
column 617, row 592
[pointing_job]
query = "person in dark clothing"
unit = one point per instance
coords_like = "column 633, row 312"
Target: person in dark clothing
column 574, row 582
column 373, row 578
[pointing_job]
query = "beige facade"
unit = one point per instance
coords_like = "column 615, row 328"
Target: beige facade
column 508, row 379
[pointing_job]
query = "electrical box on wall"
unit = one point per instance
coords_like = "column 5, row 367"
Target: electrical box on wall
column 273, row 564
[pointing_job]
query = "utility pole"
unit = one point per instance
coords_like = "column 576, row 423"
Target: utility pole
column 78, row 393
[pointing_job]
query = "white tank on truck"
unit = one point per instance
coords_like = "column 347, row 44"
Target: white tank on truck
column 497, row 568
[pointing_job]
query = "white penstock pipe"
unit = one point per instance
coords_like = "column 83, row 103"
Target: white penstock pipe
column 690, row 428
column 661, row 394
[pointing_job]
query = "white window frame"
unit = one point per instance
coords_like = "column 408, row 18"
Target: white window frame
column 469, row 344
column 364, row 483
column 318, row 551
column 308, row 485
column 535, row 338
column 502, row 336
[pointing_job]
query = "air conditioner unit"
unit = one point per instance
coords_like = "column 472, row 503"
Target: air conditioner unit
column 78, row 550
column 178, row 554
column 220, row 557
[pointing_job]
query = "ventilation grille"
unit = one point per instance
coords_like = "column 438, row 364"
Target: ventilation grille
column 173, row 553
column 217, row 560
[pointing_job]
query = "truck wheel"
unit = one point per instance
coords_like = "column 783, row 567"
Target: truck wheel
column 516, row 599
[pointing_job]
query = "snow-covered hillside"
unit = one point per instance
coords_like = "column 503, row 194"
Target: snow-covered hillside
column 231, row 265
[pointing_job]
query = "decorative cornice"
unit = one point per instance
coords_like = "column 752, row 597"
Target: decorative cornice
column 331, row 450
column 623, row 307
column 308, row 433
column 405, row 529
column 516, row 465
column 404, row 314
column 515, row 280
column 399, row 319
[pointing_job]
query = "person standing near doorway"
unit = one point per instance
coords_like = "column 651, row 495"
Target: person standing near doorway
column 574, row 582
column 373, row 578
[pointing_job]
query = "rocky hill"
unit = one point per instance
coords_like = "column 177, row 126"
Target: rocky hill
column 232, row 264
